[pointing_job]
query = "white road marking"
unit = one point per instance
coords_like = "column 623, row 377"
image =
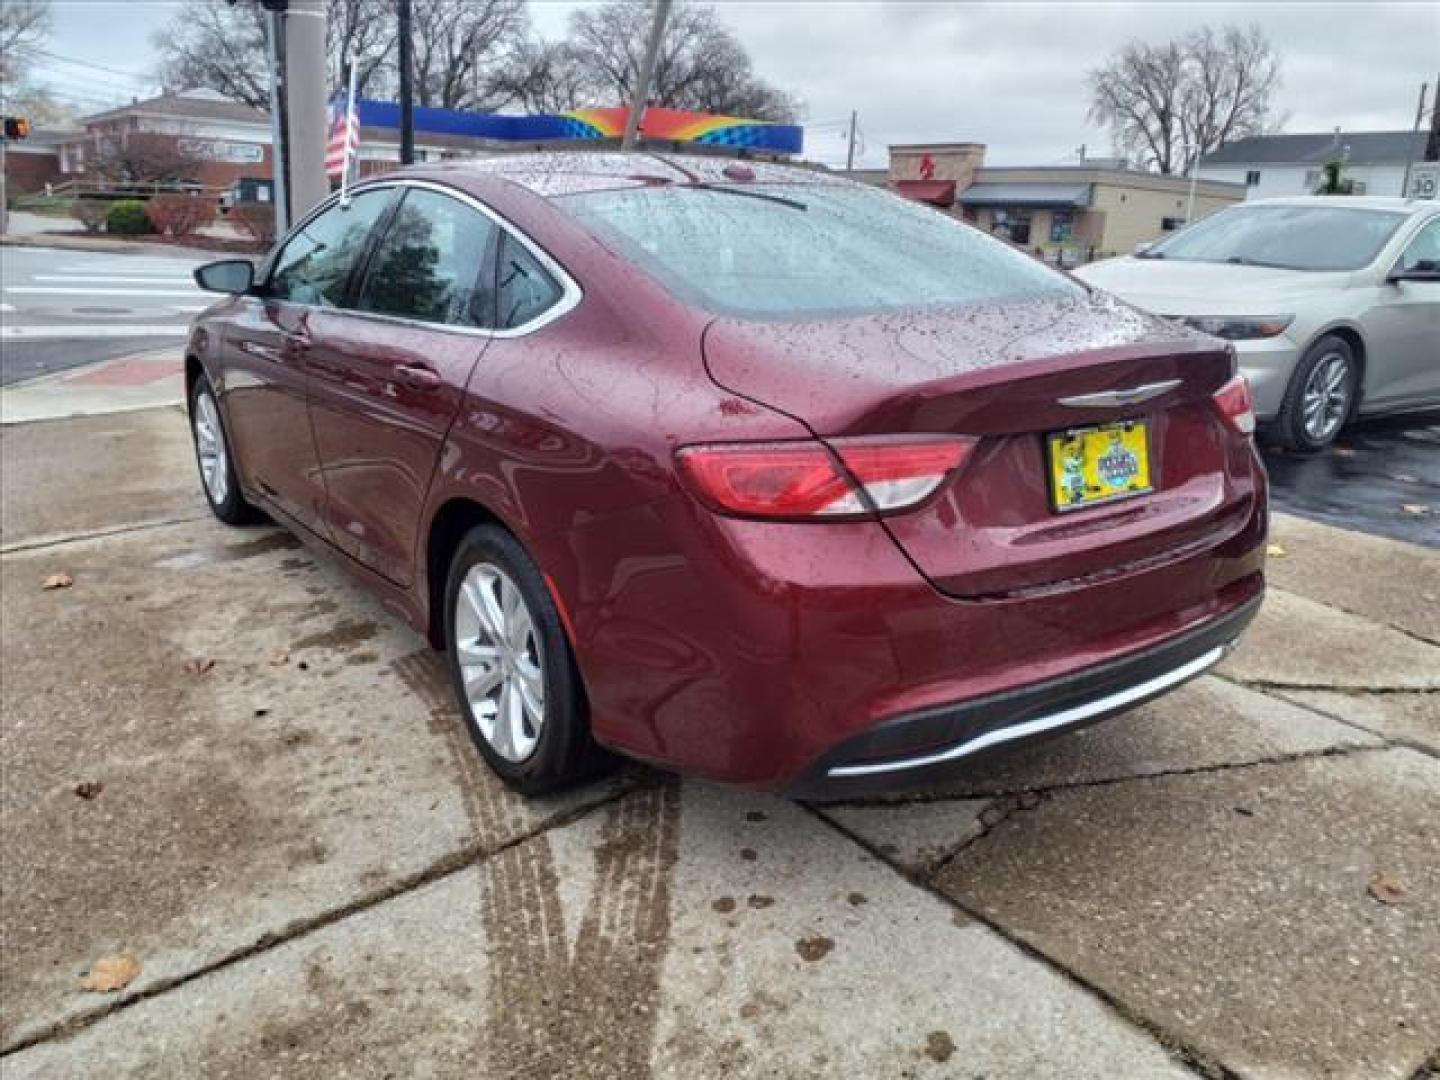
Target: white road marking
column 50, row 333
column 109, row 279
column 59, row 290
column 188, row 307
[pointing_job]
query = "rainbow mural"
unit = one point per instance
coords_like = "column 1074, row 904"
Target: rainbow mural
column 666, row 125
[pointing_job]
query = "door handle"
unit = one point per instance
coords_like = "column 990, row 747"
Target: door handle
column 418, row 376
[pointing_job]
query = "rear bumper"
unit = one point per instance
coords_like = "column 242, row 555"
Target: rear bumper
column 935, row 744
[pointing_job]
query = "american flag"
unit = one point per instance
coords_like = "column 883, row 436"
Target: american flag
column 344, row 144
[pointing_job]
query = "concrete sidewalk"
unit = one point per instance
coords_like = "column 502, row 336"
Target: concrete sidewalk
column 144, row 380
column 225, row 760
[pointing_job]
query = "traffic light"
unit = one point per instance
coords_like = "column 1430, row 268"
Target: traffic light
column 16, row 127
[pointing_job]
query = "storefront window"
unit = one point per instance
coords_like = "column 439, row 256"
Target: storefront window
column 1062, row 223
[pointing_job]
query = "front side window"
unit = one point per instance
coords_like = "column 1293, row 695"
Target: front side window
column 1423, row 249
column 1288, row 237
column 428, row 265
column 808, row 250
column 315, row 263
column 523, row 289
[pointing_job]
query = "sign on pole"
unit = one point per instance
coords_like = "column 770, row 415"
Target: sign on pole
column 1424, row 180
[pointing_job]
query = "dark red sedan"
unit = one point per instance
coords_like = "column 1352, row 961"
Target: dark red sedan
column 744, row 470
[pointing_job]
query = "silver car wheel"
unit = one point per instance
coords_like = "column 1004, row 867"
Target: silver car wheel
column 1326, row 398
column 210, row 447
column 501, row 661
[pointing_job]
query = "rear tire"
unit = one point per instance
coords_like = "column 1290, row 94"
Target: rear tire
column 1320, row 398
column 213, row 454
column 512, row 667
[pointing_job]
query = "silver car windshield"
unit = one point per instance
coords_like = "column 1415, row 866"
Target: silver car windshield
column 1287, row 237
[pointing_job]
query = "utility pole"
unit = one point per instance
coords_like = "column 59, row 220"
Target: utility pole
column 1194, row 171
column 305, row 69
column 278, row 158
column 407, row 86
column 850, row 153
column 1432, row 145
column 647, row 72
column 1410, row 150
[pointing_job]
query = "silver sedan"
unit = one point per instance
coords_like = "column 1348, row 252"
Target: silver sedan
column 1333, row 304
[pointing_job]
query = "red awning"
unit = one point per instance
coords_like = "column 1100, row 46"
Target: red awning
column 935, row 192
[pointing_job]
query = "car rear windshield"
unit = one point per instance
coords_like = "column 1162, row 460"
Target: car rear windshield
column 796, row 251
column 1288, row 237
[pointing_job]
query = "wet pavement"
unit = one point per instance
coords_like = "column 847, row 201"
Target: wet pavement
column 225, row 760
column 1382, row 476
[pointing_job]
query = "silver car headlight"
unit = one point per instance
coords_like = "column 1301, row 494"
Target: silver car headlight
column 1239, row 329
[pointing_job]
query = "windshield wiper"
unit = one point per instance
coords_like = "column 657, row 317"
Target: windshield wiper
column 1241, row 260
column 768, row 196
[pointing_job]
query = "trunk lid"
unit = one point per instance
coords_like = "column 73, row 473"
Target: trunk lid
column 1007, row 375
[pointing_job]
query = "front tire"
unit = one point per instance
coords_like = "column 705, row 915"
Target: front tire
column 218, row 478
column 511, row 664
column 1320, row 398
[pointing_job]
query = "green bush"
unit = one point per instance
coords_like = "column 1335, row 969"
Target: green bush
column 127, row 217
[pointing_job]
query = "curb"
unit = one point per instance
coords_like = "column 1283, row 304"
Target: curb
column 65, row 242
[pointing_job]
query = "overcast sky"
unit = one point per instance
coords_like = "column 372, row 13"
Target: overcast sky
column 1009, row 75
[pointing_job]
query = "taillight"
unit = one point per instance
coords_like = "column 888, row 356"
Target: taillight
column 804, row 479
column 1235, row 404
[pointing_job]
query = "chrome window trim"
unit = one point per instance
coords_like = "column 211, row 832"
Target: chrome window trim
column 570, row 292
column 1064, row 718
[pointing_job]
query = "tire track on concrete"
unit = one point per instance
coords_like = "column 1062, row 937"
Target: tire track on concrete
column 586, row 1011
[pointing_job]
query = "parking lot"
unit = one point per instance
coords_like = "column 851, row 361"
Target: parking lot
column 225, row 762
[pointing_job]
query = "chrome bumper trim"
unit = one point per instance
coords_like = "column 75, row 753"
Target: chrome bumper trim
column 1073, row 715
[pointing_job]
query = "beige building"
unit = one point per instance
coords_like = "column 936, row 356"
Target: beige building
column 1067, row 213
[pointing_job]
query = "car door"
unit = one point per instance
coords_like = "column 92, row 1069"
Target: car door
column 266, row 380
column 388, row 377
column 1404, row 332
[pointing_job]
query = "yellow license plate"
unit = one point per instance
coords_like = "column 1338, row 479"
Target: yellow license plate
column 1099, row 464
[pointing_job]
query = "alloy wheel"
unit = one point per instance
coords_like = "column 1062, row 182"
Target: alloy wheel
column 501, row 661
column 210, row 446
column 1326, row 398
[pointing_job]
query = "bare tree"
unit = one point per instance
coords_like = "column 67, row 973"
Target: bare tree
column 219, row 46
column 701, row 65
column 465, row 51
column 546, row 77
column 24, row 26
column 144, row 157
column 1167, row 103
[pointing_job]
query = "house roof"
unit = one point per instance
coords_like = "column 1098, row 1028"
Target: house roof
column 1316, row 148
column 185, row 107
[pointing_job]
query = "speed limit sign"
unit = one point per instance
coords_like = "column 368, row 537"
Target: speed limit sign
column 1424, row 180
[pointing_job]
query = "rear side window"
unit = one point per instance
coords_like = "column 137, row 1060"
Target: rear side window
column 428, row 266
column 796, row 250
column 315, row 263
column 524, row 289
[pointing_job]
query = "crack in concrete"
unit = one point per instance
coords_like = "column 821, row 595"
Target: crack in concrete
column 1195, row 1060
column 63, row 539
column 463, row 858
column 1267, row 686
column 1400, row 742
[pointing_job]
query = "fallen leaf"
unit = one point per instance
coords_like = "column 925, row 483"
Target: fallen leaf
column 280, row 657
column 1276, row 551
column 110, row 973
column 88, row 789
column 199, row 665
column 57, row 581
column 1386, row 888
column 1416, row 509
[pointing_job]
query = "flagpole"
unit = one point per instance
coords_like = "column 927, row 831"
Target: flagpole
column 350, row 118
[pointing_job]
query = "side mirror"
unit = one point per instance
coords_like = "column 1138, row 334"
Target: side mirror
column 235, row 276
column 1142, row 247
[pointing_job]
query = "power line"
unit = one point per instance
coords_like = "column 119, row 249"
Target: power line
column 33, row 51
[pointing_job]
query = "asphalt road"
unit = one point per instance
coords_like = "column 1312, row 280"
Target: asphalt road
column 62, row 309
column 1382, row 476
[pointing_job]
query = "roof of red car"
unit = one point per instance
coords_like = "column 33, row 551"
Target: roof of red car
column 559, row 172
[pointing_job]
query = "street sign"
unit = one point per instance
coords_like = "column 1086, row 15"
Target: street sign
column 1424, row 180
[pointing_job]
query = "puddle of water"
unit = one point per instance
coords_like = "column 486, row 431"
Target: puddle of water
column 187, row 560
